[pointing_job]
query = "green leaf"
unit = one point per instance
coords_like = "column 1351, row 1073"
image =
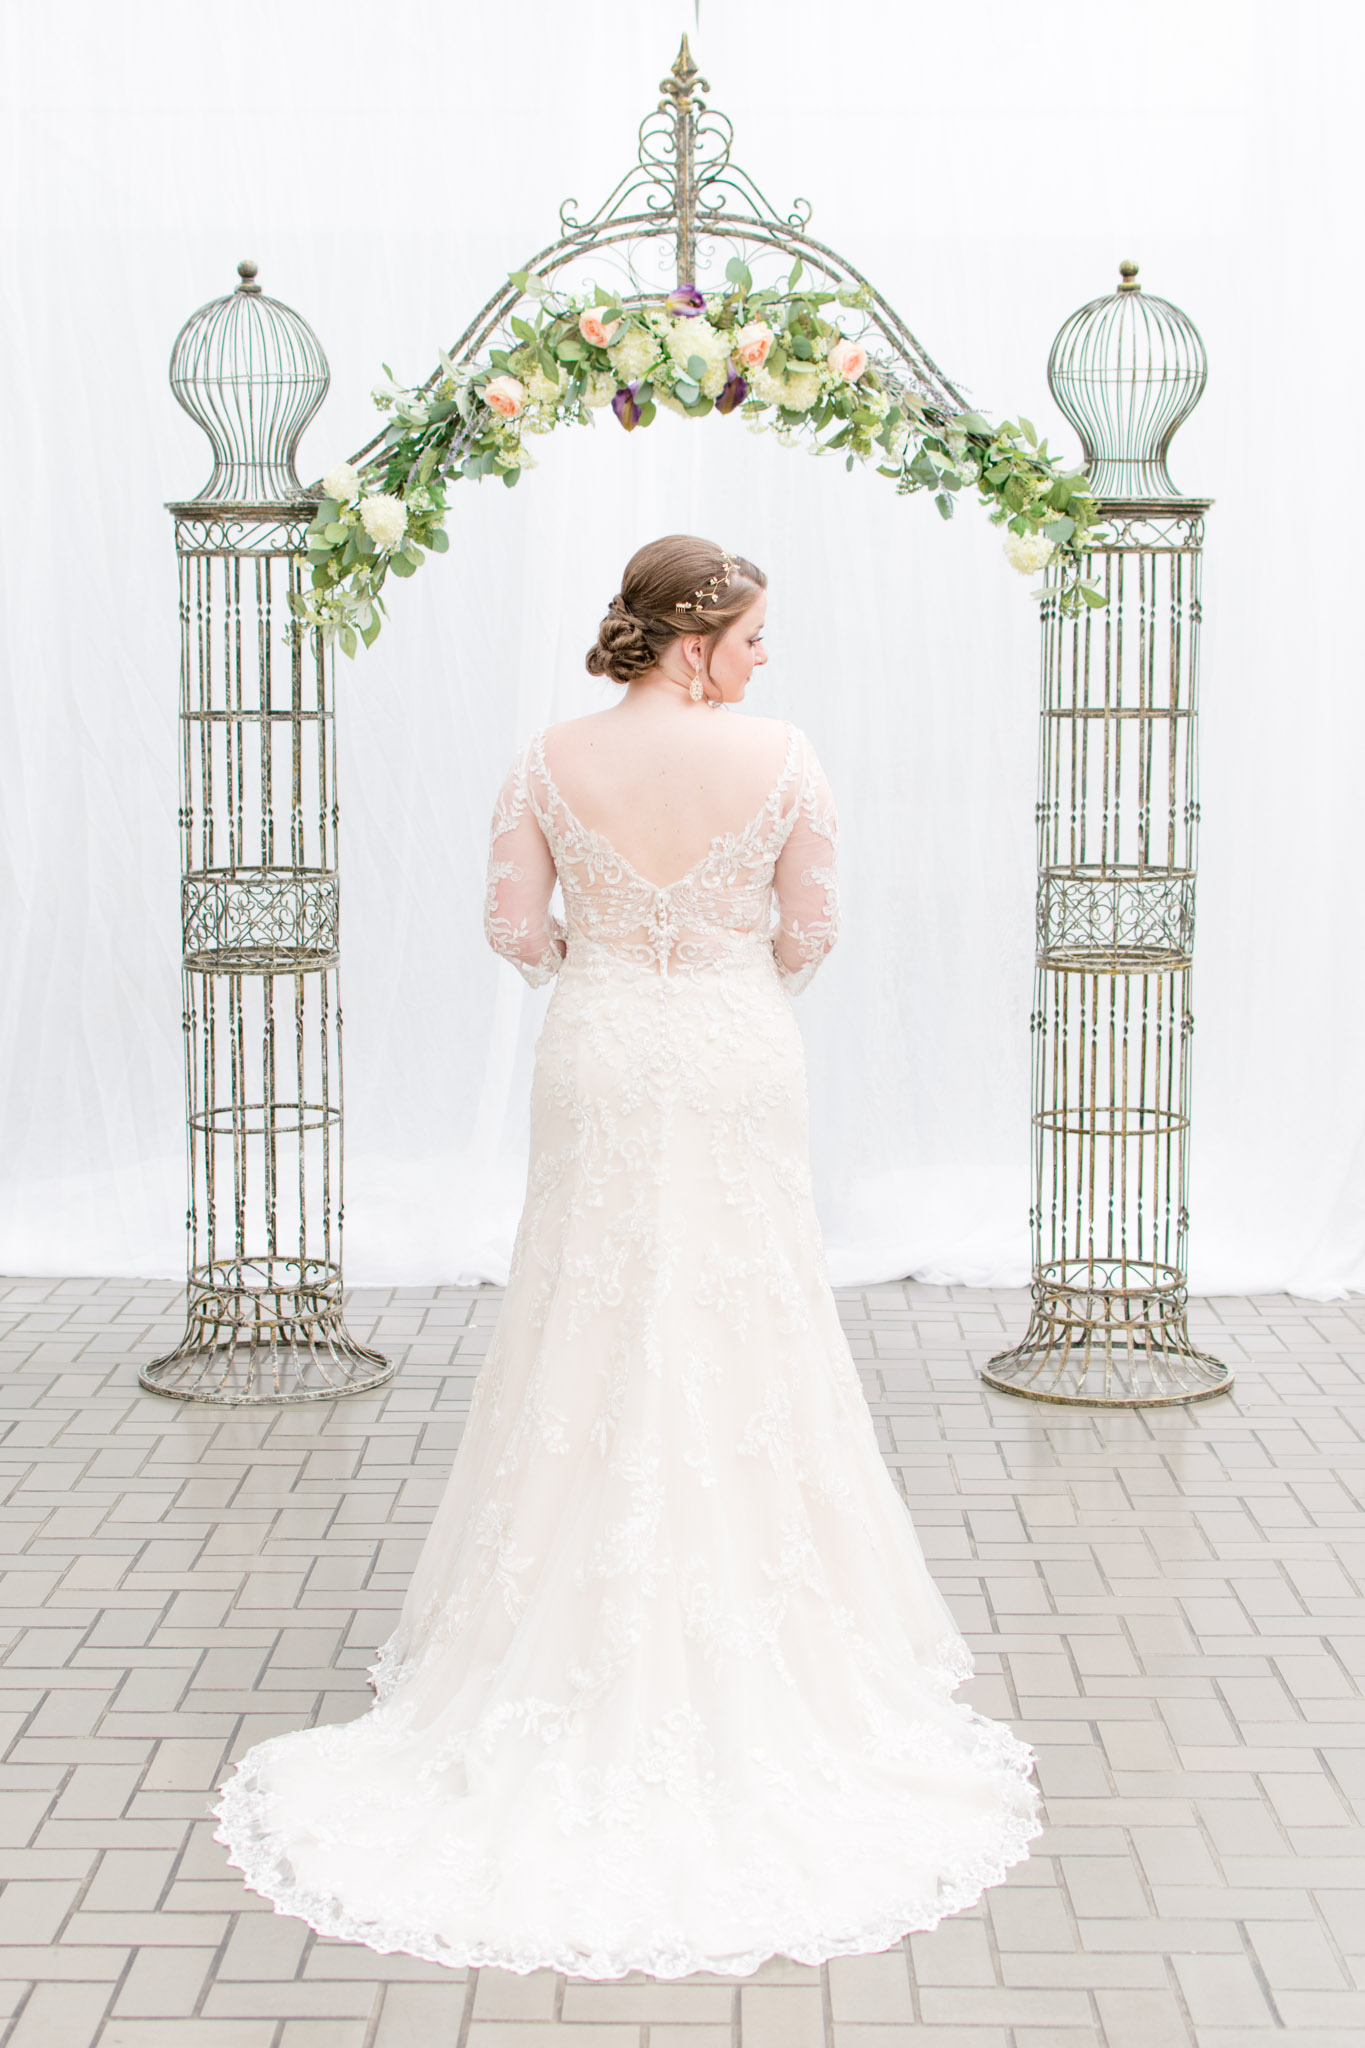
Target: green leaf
column 801, row 347
column 334, row 533
column 738, row 272
column 795, row 277
column 438, row 540
column 327, row 512
column 699, row 408
column 1059, row 530
column 401, row 566
column 1030, row 432
column 369, row 634
column 696, row 368
column 647, row 411
column 687, row 393
column 1092, row 596
column 522, row 329
column 945, row 505
column 570, row 351
column 518, row 278
column 971, row 423
column 510, row 477
column 348, row 641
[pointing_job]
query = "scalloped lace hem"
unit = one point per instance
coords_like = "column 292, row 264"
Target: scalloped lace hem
column 265, row 1870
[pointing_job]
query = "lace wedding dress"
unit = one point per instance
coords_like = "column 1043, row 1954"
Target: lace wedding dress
column 671, row 1686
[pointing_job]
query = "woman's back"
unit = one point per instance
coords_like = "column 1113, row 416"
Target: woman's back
column 662, row 788
column 672, row 852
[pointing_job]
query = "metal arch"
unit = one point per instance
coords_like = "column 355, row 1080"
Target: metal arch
column 689, row 188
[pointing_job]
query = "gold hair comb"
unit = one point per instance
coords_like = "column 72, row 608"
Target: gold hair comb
column 709, row 592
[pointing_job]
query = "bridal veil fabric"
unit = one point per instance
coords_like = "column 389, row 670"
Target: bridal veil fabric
column 671, row 1689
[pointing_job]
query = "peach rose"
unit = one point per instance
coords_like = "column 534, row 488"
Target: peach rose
column 847, row 360
column 752, row 344
column 506, row 395
column 594, row 327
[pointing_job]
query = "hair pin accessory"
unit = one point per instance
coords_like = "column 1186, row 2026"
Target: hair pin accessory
column 709, row 592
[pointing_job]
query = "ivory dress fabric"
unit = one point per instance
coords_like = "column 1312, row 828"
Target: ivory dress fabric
column 671, row 1689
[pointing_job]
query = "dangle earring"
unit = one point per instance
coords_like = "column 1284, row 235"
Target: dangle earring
column 694, row 688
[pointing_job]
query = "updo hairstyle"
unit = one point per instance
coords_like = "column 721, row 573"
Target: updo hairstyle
column 643, row 620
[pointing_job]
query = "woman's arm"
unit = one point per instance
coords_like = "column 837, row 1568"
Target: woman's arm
column 805, row 882
column 521, row 879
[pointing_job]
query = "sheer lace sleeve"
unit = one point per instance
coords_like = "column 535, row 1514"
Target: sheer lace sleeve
column 804, row 881
column 521, row 877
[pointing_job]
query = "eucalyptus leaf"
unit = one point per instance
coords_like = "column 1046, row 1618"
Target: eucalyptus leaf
column 696, row 368
column 401, row 566
column 686, row 393
column 510, row 477
column 438, row 540
column 945, row 505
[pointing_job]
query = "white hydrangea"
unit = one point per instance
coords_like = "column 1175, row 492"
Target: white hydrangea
column 688, row 338
column 384, row 518
column 1028, row 552
column 633, row 355
column 341, row 482
column 599, row 388
column 957, row 447
column 540, row 388
column 798, row 390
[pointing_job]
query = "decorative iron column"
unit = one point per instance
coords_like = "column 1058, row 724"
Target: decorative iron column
column 259, row 895
column 1118, row 815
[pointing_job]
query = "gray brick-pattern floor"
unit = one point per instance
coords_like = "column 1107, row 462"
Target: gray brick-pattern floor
column 1166, row 1603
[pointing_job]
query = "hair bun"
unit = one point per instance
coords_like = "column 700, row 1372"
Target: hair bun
column 622, row 650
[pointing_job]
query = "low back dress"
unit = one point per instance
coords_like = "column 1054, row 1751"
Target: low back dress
column 671, row 1688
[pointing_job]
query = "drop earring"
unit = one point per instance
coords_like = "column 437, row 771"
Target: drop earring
column 694, row 688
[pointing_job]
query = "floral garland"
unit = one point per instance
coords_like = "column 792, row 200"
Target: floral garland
column 778, row 357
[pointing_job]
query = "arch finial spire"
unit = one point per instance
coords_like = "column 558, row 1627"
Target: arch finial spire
column 680, row 100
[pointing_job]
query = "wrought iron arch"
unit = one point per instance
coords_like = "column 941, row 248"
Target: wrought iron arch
column 683, row 188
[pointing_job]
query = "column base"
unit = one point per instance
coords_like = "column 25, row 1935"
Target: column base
column 264, row 1333
column 1109, row 1335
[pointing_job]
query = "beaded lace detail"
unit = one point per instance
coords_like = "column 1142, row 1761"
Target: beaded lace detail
column 780, row 863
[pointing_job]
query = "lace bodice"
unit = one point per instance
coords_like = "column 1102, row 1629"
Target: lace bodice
column 770, row 885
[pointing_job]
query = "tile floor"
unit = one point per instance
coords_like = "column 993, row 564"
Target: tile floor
column 1167, row 1604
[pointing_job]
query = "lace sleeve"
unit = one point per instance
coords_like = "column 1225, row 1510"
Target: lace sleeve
column 517, row 920
column 804, row 881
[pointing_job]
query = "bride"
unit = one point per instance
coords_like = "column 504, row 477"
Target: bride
column 671, row 1689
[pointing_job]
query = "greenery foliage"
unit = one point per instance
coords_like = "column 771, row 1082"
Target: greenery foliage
column 778, row 356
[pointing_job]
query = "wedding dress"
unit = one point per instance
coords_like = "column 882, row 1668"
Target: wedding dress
column 671, row 1687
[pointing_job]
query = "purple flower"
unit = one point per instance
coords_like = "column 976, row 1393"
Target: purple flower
column 735, row 392
column 686, row 301
column 625, row 407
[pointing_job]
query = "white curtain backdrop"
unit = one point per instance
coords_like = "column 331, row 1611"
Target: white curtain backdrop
column 386, row 167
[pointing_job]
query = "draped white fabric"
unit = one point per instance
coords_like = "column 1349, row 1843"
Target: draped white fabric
column 385, row 169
